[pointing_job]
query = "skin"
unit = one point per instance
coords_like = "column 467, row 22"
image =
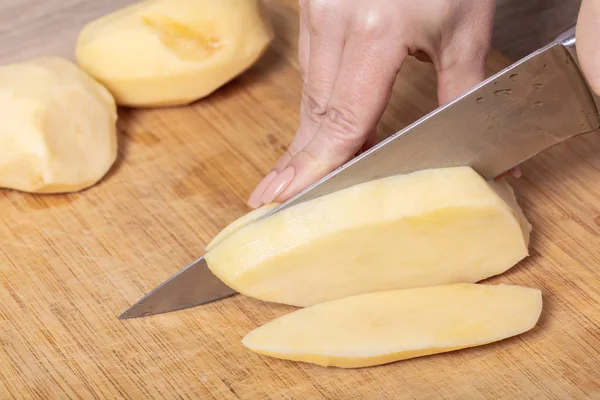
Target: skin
column 350, row 52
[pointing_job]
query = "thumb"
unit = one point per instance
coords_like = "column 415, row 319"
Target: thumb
column 588, row 42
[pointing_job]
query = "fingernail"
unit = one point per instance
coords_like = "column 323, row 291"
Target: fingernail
column 278, row 185
column 254, row 200
column 516, row 172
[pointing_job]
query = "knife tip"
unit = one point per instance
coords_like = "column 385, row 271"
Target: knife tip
column 136, row 310
column 128, row 314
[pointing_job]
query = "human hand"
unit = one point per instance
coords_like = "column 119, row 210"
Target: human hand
column 350, row 52
column 588, row 42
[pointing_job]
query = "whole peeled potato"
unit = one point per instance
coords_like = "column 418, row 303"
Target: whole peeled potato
column 57, row 127
column 173, row 52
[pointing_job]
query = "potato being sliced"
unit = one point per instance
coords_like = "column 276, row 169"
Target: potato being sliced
column 427, row 228
column 173, row 52
column 240, row 223
column 383, row 327
column 58, row 129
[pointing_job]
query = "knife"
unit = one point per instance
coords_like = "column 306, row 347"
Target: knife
column 528, row 107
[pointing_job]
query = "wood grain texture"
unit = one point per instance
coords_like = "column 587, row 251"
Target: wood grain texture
column 70, row 264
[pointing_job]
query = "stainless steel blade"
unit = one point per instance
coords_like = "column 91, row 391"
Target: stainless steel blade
column 524, row 109
column 192, row 286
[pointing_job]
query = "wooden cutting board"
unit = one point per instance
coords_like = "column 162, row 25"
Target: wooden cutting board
column 70, row 264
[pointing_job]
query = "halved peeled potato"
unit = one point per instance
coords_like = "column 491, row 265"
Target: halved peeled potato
column 173, row 52
column 427, row 228
column 378, row 328
column 58, row 127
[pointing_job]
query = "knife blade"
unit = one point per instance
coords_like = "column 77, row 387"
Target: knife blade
column 530, row 106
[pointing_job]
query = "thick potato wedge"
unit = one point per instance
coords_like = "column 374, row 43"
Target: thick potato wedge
column 427, row 228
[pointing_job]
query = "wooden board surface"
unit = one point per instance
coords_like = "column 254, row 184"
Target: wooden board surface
column 70, row 264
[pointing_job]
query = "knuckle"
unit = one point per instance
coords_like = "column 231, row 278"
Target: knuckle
column 343, row 123
column 371, row 24
column 293, row 149
column 314, row 107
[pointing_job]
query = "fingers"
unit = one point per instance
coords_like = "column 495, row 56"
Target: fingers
column 320, row 52
column 304, row 62
column 361, row 94
column 588, row 42
column 460, row 63
column 350, row 53
column 458, row 79
column 466, row 70
column 326, row 45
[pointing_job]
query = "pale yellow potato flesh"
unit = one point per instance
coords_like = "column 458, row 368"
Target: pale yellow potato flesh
column 240, row 223
column 383, row 327
column 173, row 52
column 427, row 228
column 58, row 127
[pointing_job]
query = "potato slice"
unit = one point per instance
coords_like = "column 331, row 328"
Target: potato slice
column 427, row 228
column 383, row 327
column 58, row 127
column 173, row 52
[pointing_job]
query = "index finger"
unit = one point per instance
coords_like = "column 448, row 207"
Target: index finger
column 360, row 96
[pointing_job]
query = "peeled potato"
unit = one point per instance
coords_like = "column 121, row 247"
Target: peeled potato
column 427, row 228
column 57, row 127
column 173, row 52
column 241, row 222
column 383, row 327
